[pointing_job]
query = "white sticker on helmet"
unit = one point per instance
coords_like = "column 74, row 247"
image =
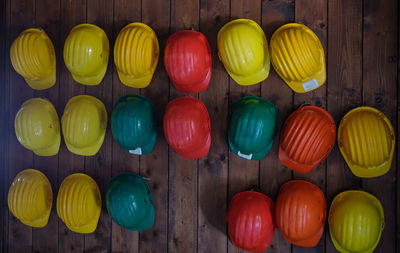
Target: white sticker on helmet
column 137, row 151
column 310, row 85
column 248, row 157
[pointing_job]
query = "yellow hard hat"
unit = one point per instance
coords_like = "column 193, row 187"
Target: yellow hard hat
column 86, row 52
column 79, row 203
column 136, row 53
column 30, row 198
column 366, row 140
column 37, row 127
column 298, row 57
column 84, row 124
column 243, row 49
column 356, row 221
column 33, row 57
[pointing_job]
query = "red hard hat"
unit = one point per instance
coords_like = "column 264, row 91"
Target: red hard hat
column 307, row 137
column 301, row 213
column 187, row 127
column 250, row 221
column 188, row 61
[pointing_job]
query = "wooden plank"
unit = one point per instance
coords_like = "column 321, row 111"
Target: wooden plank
column 72, row 14
column 183, row 180
column 154, row 166
column 125, row 12
column 344, row 92
column 243, row 174
column 272, row 172
column 99, row 12
column 379, row 91
column 47, row 15
column 313, row 14
column 22, row 16
column 213, row 169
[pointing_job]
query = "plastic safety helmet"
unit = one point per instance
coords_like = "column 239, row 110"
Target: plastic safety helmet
column 298, row 57
column 130, row 202
column 356, row 221
column 79, row 203
column 252, row 127
column 84, row 124
column 243, row 49
column 134, row 124
column 250, row 219
column 188, row 61
column 33, row 57
column 301, row 213
column 367, row 141
column 187, row 127
column 136, row 53
column 307, row 137
column 30, row 198
column 37, row 127
column 86, row 52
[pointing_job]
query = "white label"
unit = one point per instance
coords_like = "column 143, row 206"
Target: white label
column 248, row 157
column 137, row 151
column 312, row 84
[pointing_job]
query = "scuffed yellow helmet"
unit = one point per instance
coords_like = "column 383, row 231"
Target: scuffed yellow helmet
column 84, row 124
column 366, row 140
column 298, row 57
column 136, row 53
column 37, row 127
column 79, row 203
column 243, row 49
column 33, row 57
column 86, row 52
column 30, row 198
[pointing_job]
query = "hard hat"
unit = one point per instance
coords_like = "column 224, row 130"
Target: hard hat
column 188, row 61
column 84, row 124
column 366, row 140
column 33, row 57
column 136, row 55
column 79, row 203
column 37, row 127
column 252, row 127
column 307, row 137
column 301, row 213
column 298, row 57
column 250, row 219
column 134, row 124
column 243, row 49
column 30, row 198
column 129, row 202
column 187, row 127
column 356, row 221
column 86, row 52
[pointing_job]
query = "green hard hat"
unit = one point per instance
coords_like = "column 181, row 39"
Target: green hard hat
column 252, row 127
column 129, row 202
column 133, row 124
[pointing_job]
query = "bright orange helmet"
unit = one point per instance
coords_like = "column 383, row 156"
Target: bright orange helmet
column 307, row 137
column 301, row 213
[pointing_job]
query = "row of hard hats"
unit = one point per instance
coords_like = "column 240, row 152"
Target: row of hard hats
column 366, row 137
column 296, row 54
column 356, row 218
column 128, row 199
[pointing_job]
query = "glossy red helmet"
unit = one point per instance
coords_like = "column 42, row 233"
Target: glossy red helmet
column 250, row 221
column 188, row 61
column 187, row 127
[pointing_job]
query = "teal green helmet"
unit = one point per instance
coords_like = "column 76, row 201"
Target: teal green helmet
column 252, row 127
column 129, row 202
column 133, row 124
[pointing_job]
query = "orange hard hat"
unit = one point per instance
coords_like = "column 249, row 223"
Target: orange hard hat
column 301, row 213
column 307, row 137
